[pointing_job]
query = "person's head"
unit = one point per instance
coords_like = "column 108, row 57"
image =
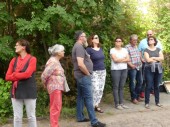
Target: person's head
column 133, row 39
column 80, row 36
column 22, row 45
column 56, row 50
column 93, row 40
column 118, row 42
column 149, row 33
column 152, row 40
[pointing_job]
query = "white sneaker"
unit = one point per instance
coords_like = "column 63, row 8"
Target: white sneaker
column 124, row 106
column 119, row 107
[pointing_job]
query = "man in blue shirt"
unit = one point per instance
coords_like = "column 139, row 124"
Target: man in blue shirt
column 142, row 46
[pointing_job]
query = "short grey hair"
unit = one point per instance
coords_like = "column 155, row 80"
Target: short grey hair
column 133, row 36
column 77, row 34
column 55, row 49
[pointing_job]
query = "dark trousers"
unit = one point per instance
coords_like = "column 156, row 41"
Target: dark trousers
column 135, row 82
column 152, row 79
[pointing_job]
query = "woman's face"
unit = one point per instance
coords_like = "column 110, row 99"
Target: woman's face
column 61, row 54
column 95, row 39
column 118, row 42
column 19, row 48
column 151, row 41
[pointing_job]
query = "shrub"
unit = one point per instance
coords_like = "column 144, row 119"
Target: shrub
column 5, row 102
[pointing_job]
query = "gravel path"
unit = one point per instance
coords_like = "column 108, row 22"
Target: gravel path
column 135, row 116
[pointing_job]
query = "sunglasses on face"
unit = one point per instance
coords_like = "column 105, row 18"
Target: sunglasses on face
column 96, row 38
column 118, row 41
column 151, row 39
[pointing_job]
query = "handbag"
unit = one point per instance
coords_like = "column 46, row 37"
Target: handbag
column 66, row 87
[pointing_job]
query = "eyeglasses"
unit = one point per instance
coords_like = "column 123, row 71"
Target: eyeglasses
column 17, row 45
column 118, row 41
column 82, row 36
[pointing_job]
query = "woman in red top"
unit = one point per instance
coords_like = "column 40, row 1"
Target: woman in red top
column 21, row 72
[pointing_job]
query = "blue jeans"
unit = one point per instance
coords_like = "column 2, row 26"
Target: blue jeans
column 144, row 82
column 135, row 84
column 84, row 89
column 152, row 78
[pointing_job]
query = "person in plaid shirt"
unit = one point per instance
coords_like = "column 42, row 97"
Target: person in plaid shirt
column 134, row 69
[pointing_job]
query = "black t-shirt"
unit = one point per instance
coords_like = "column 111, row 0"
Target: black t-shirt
column 154, row 53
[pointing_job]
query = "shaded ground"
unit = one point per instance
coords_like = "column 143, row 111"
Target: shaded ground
column 135, row 116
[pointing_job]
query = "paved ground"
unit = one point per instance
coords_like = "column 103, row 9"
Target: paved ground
column 135, row 116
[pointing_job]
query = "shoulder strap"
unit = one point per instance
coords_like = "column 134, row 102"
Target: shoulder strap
column 15, row 63
column 26, row 65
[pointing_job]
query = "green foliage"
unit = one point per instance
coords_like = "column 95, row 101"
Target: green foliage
column 4, row 16
column 45, row 23
column 5, row 101
column 5, row 50
column 166, row 76
column 42, row 108
column 68, row 112
column 164, row 26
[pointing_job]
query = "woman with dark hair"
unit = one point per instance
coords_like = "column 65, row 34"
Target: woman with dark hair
column 153, row 70
column 119, row 60
column 99, row 72
column 21, row 72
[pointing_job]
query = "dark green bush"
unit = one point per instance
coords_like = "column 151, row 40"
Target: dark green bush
column 5, row 101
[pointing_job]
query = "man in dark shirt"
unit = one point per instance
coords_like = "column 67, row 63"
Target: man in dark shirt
column 83, row 67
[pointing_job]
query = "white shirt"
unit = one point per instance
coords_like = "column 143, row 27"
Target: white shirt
column 119, row 54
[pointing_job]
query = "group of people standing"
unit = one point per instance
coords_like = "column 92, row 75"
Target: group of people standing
column 143, row 66
column 90, row 75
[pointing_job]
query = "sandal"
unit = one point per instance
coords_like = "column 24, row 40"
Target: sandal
column 98, row 110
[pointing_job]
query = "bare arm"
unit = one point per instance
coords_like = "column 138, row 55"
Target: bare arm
column 142, row 59
column 120, row 60
column 148, row 59
column 131, row 65
column 82, row 66
column 160, row 58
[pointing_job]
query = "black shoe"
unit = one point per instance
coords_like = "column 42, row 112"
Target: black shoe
column 85, row 120
column 99, row 124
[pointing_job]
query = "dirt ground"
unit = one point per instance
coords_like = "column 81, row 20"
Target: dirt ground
column 135, row 116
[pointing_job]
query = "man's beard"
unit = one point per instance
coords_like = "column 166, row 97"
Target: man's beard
column 85, row 44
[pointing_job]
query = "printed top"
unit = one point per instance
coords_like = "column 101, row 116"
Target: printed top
column 53, row 75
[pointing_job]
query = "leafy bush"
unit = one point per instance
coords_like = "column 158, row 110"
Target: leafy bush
column 5, row 102
column 42, row 108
